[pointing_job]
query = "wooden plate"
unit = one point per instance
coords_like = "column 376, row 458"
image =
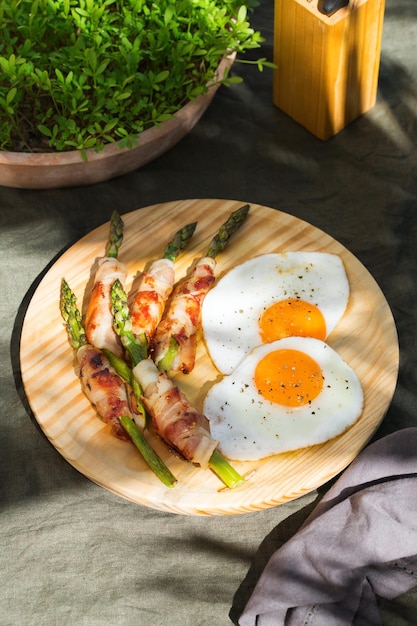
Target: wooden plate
column 366, row 338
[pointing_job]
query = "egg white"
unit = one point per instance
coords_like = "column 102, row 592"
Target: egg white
column 249, row 427
column 231, row 310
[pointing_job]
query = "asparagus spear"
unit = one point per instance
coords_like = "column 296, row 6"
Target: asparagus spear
column 217, row 244
column 217, row 463
column 180, row 240
column 115, row 235
column 130, row 426
column 77, row 337
column 136, row 347
column 226, row 472
column 71, row 316
column 153, row 461
column 120, row 365
column 226, row 230
column 149, row 300
column 98, row 321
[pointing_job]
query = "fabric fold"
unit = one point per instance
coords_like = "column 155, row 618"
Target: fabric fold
column 360, row 541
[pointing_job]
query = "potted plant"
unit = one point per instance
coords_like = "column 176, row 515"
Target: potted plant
column 90, row 90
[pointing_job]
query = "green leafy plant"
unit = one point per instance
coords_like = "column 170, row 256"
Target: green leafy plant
column 77, row 74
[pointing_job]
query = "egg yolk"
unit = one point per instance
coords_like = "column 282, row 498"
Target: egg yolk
column 288, row 377
column 291, row 318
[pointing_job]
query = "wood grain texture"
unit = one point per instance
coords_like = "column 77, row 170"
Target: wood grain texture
column 366, row 338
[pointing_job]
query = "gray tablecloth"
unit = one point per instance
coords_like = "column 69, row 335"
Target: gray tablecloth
column 74, row 554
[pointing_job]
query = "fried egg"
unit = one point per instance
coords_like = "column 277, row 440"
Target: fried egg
column 292, row 393
column 270, row 297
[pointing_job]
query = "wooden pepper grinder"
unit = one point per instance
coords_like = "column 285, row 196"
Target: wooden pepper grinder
column 327, row 64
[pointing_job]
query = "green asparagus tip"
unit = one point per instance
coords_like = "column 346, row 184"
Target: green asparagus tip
column 180, row 240
column 149, row 455
column 223, row 470
column 226, row 230
column 71, row 316
column 115, row 235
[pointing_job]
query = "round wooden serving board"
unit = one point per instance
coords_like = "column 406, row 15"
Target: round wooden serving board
column 366, row 338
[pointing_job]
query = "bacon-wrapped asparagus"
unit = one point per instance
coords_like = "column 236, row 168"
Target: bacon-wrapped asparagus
column 174, row 418
column 174, row 342
column 104, row 387
column 98, row 318
column 156, row 285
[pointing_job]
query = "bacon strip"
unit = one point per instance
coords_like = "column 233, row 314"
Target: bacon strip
column 149, row 301
column 99, row 317
column 183, row 317
column 173, row 417
column 104, row 388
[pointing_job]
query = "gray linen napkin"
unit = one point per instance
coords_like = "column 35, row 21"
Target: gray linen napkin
column 360, row 541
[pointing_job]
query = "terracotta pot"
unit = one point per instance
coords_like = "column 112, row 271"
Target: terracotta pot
column 48, row 170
